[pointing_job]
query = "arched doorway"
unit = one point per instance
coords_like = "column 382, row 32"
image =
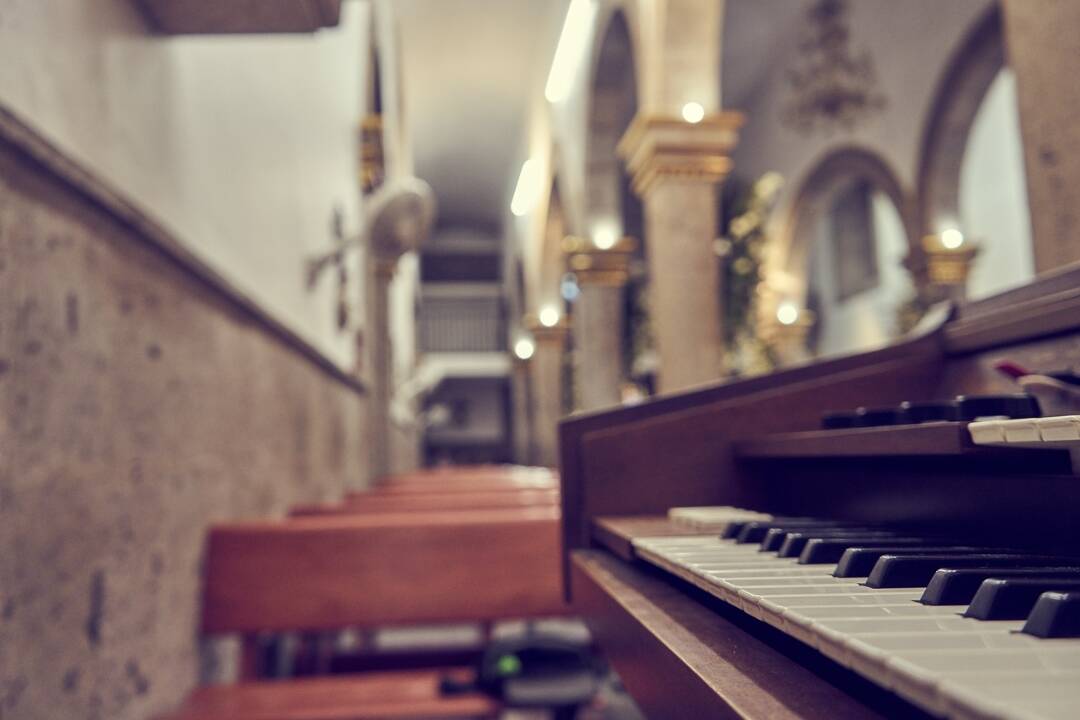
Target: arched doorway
column 849, row 236
column 972, row 169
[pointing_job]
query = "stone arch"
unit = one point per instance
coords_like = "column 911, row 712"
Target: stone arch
column 610, row 205
column 552, row 266
column 795, row 271
column 968, row 75
column 845, row 164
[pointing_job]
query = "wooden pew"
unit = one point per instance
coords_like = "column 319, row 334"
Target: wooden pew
column 330, row 572
column 381, row 502
column 468, row 478
column 479, row 484
column 382, row 696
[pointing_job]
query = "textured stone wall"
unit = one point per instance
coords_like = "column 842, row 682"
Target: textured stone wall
column 1044, row 50
column 137, row 404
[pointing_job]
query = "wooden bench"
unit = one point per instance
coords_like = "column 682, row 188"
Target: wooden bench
column 382, row 502
column 337, row 571
column 407, row 695
column 479, row 478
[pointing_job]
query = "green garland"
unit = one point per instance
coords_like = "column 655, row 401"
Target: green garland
column 741, row 249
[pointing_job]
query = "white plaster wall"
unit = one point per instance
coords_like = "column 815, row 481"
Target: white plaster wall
column 241, row 146
column 993, row 194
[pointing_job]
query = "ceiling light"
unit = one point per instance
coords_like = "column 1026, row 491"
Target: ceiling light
column 524, row 348
column 951, row 239
column 787, row 313
column 549, row 316
column 528, row 187
column 568, row 53
column 692, row 112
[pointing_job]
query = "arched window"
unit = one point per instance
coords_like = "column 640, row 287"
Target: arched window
column 849, row 240
column 972, row 172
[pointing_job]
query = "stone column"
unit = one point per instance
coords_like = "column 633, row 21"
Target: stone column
column 598, row 318
column 547, row 389
column 676, row 167
column 522, row 410
column 1043, row 50
column 382, row 266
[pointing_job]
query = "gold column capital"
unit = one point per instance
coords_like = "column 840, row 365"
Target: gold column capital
column 609, row 267
column 948, row 266
column 662, row 147
column 372, row 164
column 546, row 333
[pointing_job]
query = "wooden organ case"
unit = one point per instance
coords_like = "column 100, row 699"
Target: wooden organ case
column 756, row 443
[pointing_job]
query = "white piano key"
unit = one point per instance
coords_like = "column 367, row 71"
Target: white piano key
column 987, row 432
column 1059, row 429
column 945, row 624
column 766, row 574
column 712, row 517
column 1016, row 695
column 750, row 583
column 877, row 597
column 929, row 654
column 900, row 610
column 1021, row 431
column 920, row 676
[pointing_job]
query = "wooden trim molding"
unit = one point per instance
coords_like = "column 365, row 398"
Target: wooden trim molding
column 1027, row 320
column 19, row 137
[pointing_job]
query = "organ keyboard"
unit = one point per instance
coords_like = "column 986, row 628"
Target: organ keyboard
column 942, row 625
column 735, row 559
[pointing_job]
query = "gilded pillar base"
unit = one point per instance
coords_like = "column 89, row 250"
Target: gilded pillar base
column 948, row 267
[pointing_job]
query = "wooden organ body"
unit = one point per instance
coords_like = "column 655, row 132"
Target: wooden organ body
column 756, row 443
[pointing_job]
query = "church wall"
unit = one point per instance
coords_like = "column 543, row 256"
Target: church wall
column 242, row 146
column 140, row 400
column 1043, row 47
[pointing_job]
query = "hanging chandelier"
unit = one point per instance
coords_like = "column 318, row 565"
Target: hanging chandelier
column 832, row 86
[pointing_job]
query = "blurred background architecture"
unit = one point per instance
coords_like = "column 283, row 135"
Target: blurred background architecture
column 268, row 252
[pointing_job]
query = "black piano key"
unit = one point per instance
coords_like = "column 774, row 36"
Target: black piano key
column 1055, row 615
column 733, row 528
column 794, row 542
column 829, row 550
column 1013, row 599
column 878, row 417
column 972, row 407
column 957, row 586
column 754, row 531
column 914, row 571
column 921, row 412
column 860, row 561
column 775, row 537
column 837, row 420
